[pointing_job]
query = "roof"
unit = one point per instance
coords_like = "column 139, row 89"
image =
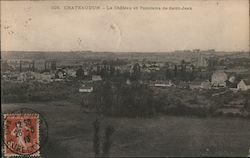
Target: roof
column 246, row 81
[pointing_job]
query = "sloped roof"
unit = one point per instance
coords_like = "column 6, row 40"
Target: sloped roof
column 247, row 81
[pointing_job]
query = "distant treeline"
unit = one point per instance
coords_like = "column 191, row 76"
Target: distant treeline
column 77, row 55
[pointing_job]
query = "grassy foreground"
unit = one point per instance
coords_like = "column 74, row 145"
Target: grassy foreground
column 71, row 133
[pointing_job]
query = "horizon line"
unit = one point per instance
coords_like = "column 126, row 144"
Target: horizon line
column 174, row 51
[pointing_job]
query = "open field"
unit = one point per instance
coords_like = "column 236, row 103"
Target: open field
column 71, row 132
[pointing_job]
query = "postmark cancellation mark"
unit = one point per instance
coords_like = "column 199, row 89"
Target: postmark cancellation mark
column 21, row 135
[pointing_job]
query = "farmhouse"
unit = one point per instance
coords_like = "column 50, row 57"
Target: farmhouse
column 199, row 84
column 244, row 85
column 96, row 78
column 164, row 84
column 85, row 89
column 60, row 74
column 219, row 78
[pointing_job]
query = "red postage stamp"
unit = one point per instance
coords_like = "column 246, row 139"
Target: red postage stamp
column 21, row 135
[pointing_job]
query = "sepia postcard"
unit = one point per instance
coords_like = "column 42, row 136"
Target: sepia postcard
column 125, row 78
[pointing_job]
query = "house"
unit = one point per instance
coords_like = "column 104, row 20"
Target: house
column 71, row 72
column 45, row 78
column 244, row 85
column 198, row 84
column 154, row 67
column 60, row 74
column 218, row 79
column 128, row 82
column 164, row 84
column 206, row 84
column 85, row 89
column 96, row 78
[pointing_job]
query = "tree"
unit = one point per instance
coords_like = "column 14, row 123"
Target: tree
column 102, row 72
column 124, row 100
column 183, row 70
column 136, row 100
column 175, row 70
column 136, row 72
column 103, row 96
column 168, row 74
column 109, row 130
column 112, row 70
column 80, row 73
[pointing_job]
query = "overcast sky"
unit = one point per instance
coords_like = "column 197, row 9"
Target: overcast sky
column 34, row 26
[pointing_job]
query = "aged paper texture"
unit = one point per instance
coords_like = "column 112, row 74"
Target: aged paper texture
column 125, row 78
